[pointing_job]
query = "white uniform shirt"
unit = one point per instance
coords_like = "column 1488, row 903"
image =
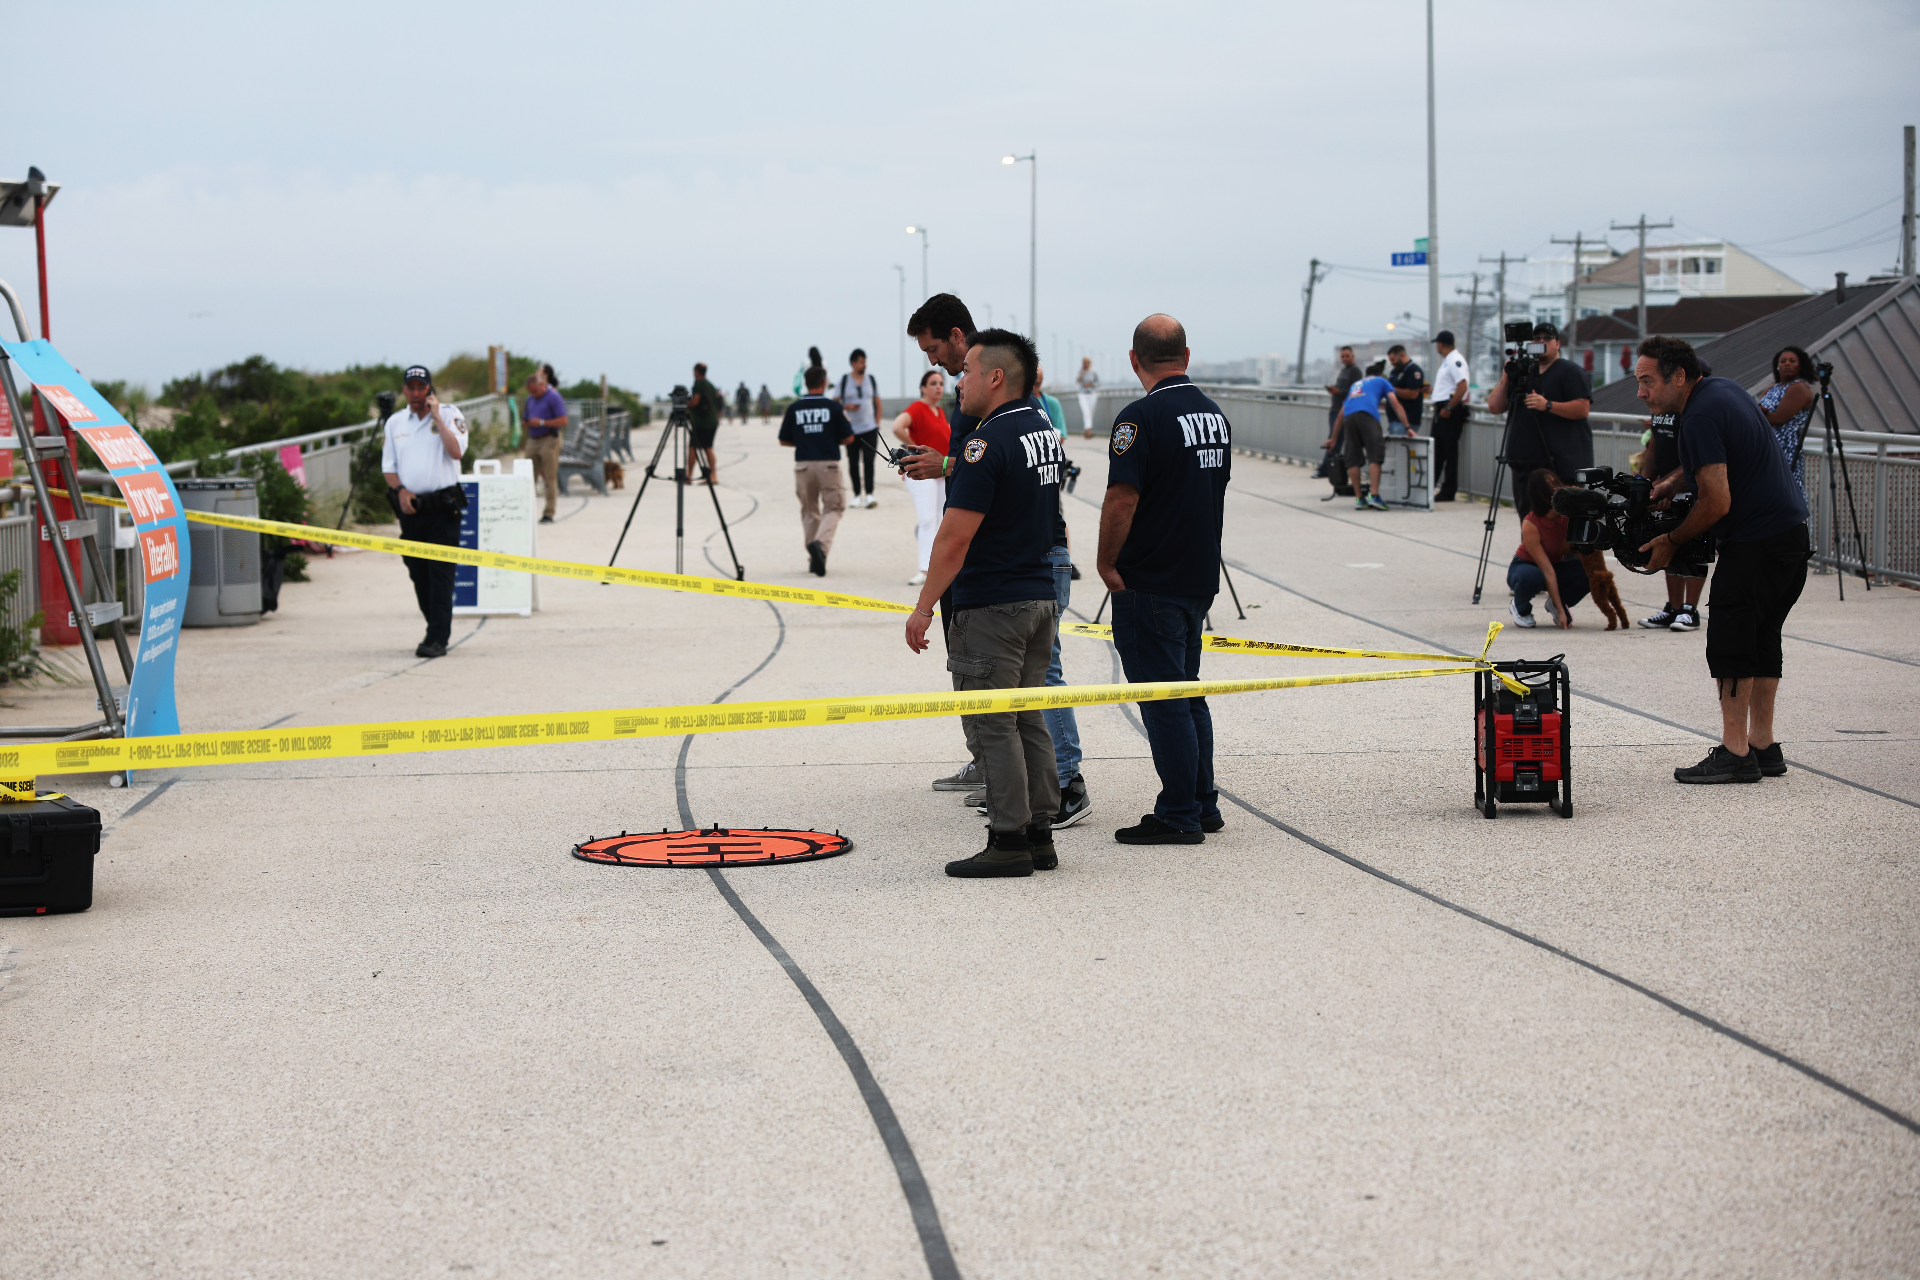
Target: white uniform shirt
column 414, row 451
column 1453, row 372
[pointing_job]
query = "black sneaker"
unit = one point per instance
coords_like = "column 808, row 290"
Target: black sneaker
column 431, row 649
column 1007, row 854
column 1663, row 620
column 816, row 560
column 1074, row 804
column 1772, row 760
column 1040, row 847
column 1153, row 831
column 1721, row 765
column 546, row 519
column 1688, row 619
column 1073, row 573
column 1210, row 825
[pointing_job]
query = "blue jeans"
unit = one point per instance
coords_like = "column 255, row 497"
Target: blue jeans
column 1526, row 581
column 1060, row 722
column 1159, row 639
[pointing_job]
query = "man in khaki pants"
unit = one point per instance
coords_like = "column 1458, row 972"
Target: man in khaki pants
column 814, row 428
column 545, row 417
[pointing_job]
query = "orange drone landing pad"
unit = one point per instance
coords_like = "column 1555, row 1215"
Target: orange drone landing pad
column 715, row 847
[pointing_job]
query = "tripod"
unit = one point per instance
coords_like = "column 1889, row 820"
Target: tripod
column 678, row 433
column 1835, row 452
column 1499, row 477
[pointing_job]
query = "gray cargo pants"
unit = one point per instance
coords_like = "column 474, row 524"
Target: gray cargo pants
column 1008, row 646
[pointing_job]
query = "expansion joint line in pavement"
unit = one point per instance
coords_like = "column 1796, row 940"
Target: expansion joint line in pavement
column 906, row 1166
column 1740, row 1038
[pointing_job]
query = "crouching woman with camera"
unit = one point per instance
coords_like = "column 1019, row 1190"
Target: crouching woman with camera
column 1748, row 501
column 421, row 459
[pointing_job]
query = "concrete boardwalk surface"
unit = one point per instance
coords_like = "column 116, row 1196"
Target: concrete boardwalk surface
column 368, row 1018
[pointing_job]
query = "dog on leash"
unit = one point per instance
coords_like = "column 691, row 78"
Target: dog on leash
column 615, row 473
column 1601, row 587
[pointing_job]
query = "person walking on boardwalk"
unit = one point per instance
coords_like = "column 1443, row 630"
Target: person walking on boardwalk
column 815, row 427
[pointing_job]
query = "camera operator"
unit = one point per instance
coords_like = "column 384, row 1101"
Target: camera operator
column 1687, row 571
column 703, row 414
column 1747, row 500
column 1547, row 424
column 421, row 459
column 992, row 550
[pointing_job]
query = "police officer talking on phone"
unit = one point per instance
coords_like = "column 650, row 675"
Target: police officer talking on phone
column 421, row 459
column 1169, row 460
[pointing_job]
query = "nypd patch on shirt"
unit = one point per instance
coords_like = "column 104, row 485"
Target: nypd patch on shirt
column 975, row 450
column 1122, row 436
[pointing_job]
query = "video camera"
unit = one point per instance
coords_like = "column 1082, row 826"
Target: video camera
column 679, row 398
column 1606, row 512
column 1522, row 357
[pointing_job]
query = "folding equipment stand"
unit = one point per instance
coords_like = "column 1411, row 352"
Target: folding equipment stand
column 87, row 615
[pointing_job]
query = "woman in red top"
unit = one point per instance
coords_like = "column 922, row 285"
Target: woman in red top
column 1542, row 562
column 925, row 424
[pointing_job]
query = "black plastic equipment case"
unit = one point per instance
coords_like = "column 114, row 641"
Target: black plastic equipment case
column 1521, row 752
column 46, row 856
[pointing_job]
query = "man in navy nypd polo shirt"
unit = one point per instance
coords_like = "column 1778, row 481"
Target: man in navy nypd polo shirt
column 1170, row 458
column 814, row 428
column 992, row 549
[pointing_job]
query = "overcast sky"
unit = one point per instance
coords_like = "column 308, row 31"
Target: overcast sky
column 627, row 188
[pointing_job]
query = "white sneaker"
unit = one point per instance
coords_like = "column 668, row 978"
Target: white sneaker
column 916, row 579
column 1519, row 619
column 872, row 501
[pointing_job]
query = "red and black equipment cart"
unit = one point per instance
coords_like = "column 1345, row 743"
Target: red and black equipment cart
column 1520, row 751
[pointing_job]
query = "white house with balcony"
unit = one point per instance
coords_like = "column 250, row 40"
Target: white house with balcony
column 1703, row 269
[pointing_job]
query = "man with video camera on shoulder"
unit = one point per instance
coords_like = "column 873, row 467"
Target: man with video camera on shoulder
column 1546, row 408
column 421, row 460
column 1747, row 500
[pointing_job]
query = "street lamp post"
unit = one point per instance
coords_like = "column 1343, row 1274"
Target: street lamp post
column 925, row 293
column 901, row 332
column 1033, row 238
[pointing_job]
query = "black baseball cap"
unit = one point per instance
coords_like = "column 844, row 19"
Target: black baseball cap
column 417, row 373
column 1545, row 329
column 1446, row 336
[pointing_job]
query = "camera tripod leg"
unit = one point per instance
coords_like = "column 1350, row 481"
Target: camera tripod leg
column 1231, row 592
column 1837, row 456
column 667, row 433
column 1104, row 600
column 1493, row 515
column 713, row 491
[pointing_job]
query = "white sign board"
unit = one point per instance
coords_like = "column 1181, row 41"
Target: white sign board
column 499, row 517
column 1406, row 479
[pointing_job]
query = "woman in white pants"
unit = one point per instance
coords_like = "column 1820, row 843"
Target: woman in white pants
column 925, row 423
column 1089, row 384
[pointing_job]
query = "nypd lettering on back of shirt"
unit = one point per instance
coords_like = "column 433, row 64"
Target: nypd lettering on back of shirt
column 812, row 421
column 1198, row 430
column 1044, row 453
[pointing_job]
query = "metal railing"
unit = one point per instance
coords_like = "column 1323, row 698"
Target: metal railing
column 1290, row 424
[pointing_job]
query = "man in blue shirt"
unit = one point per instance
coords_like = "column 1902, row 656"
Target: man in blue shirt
column 1170, row 457
column 1365, row 435
column 1002, row 497
column 1746, row 498
column 815, row 427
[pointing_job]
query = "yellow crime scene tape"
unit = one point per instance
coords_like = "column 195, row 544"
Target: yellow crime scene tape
column 747, row 590
column 460, row 733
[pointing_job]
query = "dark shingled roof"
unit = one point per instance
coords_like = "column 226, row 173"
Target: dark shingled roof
column 1872, row 339
column 1687, row 316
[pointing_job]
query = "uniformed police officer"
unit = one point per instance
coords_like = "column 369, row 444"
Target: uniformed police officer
column 421, row 459
column 1170, row 457
column 992, row 550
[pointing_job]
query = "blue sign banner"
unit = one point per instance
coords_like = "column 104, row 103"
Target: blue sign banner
column 466, row 577
column 159, row 526
column 1410, row 259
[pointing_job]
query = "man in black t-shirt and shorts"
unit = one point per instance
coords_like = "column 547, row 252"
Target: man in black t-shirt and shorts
column 1002, row 497
column 1170, row 457
column 1687, row 573
column 1748, row 501
column 1548, row 426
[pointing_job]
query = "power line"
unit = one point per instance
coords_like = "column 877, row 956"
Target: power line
column 1761, row 244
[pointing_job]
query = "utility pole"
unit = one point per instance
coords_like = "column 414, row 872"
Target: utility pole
column 1642, row 226
column 1500, row 288
column 1906, row 218
column 1433, row 196
column 1569, row 335
column 1473, row 319
column 1314, row 276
